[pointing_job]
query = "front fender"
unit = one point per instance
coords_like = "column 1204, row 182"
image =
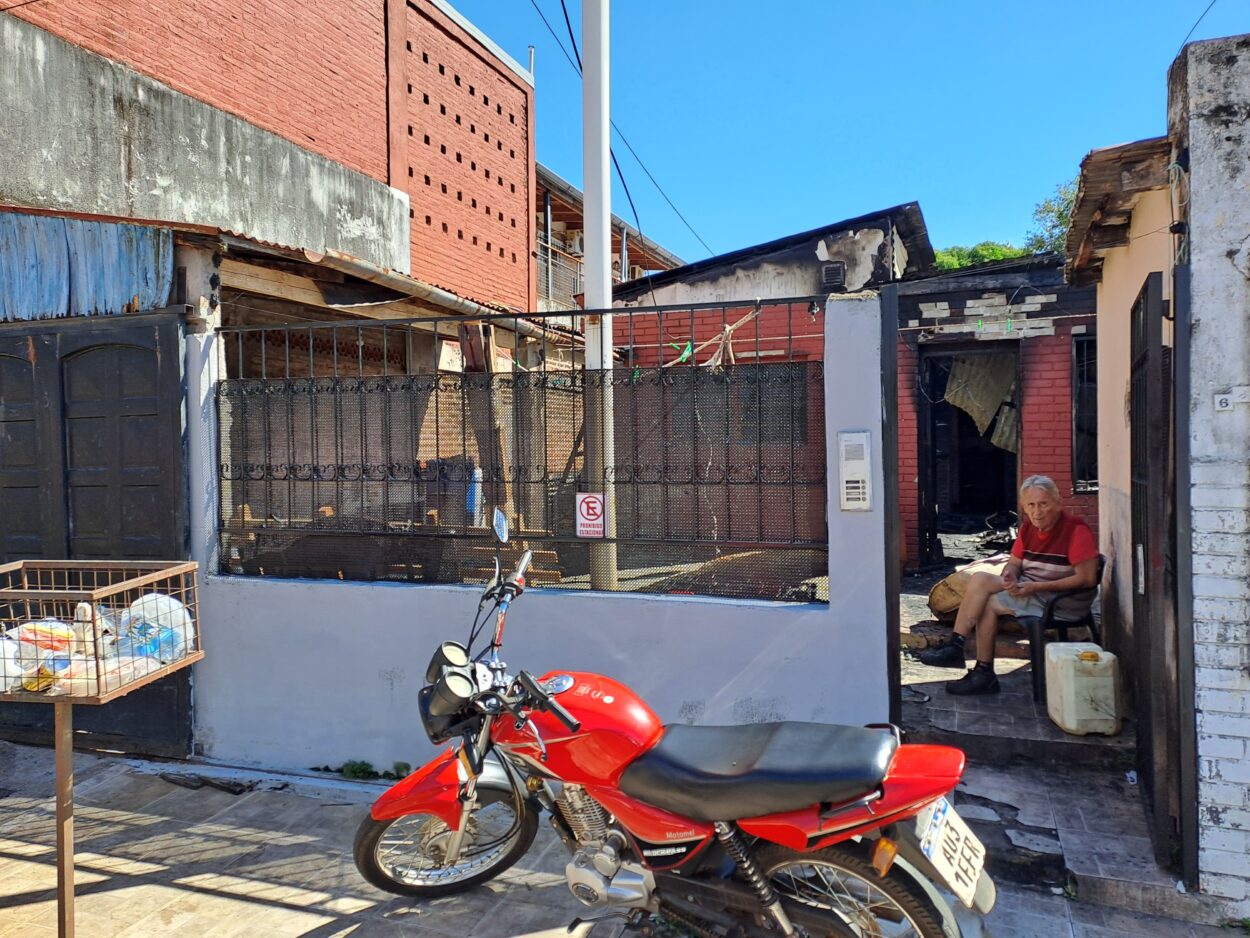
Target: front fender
column 435, row 789
column 432, row 789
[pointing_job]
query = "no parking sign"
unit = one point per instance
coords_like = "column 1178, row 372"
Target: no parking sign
column 590, row 511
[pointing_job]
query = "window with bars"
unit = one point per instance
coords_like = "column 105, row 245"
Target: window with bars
column 1085, row 414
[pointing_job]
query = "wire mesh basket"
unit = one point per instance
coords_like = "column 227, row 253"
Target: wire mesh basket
column 91, row 631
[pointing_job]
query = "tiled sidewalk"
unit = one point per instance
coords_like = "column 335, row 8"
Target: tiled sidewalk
column 155, row 859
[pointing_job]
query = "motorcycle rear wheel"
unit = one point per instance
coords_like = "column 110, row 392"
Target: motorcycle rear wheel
column 402, row 855
column 843, row 885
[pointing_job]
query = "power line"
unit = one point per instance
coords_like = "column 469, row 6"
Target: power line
column 1196, row 24
column 23, row 3
column 573, row 40
column 577, row 67
column 615, row 163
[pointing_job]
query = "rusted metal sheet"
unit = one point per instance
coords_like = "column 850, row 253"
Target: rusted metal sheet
column 53, row 267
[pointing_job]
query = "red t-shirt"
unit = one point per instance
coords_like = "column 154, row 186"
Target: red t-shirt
column 1053, row 554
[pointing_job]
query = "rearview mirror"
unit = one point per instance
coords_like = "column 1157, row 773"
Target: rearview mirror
column 500, row 524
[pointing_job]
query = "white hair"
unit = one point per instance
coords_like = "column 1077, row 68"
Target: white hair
column 1045, row 483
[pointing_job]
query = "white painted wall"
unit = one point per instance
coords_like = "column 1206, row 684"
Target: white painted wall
column 1209, row 94
column 302, row 672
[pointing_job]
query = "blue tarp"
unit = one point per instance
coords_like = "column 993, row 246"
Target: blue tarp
column 57, row 267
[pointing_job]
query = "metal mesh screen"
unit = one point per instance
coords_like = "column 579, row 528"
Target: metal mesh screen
column 717, row 471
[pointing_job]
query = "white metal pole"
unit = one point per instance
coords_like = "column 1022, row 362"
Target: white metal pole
column 597, row 261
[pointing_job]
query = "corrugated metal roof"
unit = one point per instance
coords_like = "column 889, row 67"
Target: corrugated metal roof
column 52, row 267
column 1110, row 183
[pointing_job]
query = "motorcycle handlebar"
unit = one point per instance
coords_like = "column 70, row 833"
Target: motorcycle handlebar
column 544, row 701
column 558, row 711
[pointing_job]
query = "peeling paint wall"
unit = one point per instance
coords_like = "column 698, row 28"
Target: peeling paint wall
column 86, row 135
column 1208, row 115
column 870, row 258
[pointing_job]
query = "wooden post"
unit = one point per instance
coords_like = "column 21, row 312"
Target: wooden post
column 64, row 731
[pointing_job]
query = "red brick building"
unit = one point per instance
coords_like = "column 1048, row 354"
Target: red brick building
column 996, row 382
column 406, row 92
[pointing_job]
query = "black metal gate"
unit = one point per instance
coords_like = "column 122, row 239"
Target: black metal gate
column 1154, row 672
column 91, row 467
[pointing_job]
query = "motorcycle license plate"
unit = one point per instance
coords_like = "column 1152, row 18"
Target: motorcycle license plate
column 952, row 848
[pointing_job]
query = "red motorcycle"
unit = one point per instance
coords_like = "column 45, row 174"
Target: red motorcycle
column 798, row 829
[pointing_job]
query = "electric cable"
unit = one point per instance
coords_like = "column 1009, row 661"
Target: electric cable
column 569, row 25
column 1197, row 22
column 576, row 65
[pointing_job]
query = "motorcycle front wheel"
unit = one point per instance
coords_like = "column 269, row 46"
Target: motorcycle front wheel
column 407, row 855
column 844, row 887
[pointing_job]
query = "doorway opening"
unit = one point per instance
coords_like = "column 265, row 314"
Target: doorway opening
column 970, row 432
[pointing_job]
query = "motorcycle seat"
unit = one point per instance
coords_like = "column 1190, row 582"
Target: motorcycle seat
column 724, row 773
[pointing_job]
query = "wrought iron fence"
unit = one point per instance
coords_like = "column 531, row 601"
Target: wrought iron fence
column 366, row 451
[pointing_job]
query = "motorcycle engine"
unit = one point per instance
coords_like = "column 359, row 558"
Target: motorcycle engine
column 597, row 875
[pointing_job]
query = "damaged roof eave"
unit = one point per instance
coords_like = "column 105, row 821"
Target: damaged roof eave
column 1111, row 181
column 906, row 218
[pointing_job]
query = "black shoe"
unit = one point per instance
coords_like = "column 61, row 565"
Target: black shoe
column 976, row 681
column 945, row 654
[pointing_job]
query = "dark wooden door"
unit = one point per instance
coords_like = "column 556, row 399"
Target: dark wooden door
column 22, row 476
column 1154, row 671
column 91, row 468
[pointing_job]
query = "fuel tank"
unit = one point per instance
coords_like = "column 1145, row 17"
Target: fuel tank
column 616, row 728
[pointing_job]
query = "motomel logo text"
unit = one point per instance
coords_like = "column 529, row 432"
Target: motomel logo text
column 681, row 835
column 663, row 851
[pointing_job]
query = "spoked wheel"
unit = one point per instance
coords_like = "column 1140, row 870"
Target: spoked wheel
column 408, row 855
column 846, row 887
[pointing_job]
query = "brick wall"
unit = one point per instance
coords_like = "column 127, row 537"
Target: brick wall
column 908, row 449
column 1046, row 417
column 778, row 334
column 1221, row 617
column 1208, row 81
column 470, row 164
column 1045, row 427
column 318, row 81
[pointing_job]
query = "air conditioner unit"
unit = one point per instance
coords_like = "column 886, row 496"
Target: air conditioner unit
column 636, row 271
column 574, row 241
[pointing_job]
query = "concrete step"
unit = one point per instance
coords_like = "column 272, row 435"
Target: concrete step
column 1076, row 830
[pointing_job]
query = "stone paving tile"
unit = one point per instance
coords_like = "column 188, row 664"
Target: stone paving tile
column 191, row 805
column 1120, row 922
column 279, row 863
column 1121, row 857
column 1033, row 805
column 25, row 930
column 1021, row 913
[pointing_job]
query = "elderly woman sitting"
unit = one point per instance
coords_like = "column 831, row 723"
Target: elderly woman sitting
column 1054, row 551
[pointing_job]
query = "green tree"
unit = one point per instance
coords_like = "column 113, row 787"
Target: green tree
column 953, row 258
column 1052, row 216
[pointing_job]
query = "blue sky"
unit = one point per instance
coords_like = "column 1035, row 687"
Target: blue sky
column 765, row 119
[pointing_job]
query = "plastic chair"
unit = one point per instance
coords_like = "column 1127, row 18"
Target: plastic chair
column 1036, row 628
